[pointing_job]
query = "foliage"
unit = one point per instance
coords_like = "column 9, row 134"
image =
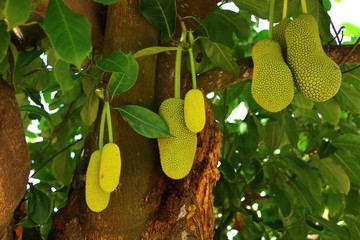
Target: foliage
column 284, row 175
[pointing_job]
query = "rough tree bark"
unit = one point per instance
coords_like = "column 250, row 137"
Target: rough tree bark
column 14, row 159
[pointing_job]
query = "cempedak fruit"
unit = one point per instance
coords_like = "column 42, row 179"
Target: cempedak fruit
column 272, row 83
column 178, row 151
column 316, row 76
column 110, row 167
column 194, row 110
column 96, row 198
column 279, row 34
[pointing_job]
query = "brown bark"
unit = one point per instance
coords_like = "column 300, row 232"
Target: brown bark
column 14, row 159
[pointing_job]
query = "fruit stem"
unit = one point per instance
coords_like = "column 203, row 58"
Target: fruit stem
column 303, row 6
column 102, row 128
column 109, row 124
column 284, row 13
column 177, row 72
column 271, row 17
column 192, row 63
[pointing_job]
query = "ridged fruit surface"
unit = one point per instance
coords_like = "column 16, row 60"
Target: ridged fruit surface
column 178, row 151
column 110, row 167
column 194, row 110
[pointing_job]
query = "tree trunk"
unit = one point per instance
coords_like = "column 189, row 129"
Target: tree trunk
column 146, row 204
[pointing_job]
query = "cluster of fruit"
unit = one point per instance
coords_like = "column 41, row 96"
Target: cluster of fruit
column 316, row 76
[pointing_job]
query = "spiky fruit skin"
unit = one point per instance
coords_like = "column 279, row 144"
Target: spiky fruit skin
column 317, row 77
column 272, row 83
column 194, row 110
column 110, row 167
column 178, row 151
column 96, row 198
column 279, row 34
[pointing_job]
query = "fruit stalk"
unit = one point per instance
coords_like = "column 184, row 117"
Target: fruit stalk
column 177, row 72
column 102, row 128
column 303, row 6
column 284, row 13
column 192, row 63
column 109, row 124
column 271, row 17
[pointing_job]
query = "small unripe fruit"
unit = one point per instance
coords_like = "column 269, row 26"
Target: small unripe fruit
column 110, row 167
column 194, row 110
column 177, row 152
column 96, row 198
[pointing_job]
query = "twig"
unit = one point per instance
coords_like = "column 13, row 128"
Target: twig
column 350, row 52
column 351, row 69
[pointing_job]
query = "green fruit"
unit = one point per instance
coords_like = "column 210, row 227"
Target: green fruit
column 194, row 110
column 110, row 167
column 177, row 152
column 96, row 198
column 279, row 34
column 316, row 76
column 272, row 83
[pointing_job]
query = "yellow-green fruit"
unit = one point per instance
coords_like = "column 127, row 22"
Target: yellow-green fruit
column 178, row 151
column 316, row 76
column 194, row 110
column 272, row 83
column 110, row 167
column 279, row 34
column 96, row 198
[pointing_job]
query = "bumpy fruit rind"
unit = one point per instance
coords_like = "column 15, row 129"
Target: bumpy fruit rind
column 178, row 151
column 194, row 110
column 96, row 198
column 110, row 167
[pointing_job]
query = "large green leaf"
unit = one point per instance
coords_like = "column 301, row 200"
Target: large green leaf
column 62, row 168
column 350, row 163
column 329, row 110
column 17, row 12
column 161, row 14
column 144, row 121
column 220, row 55
column 221, row 25
column 153, row 50
column 247, row 140
column 291, row 129
column 334, row 175
column 329, row 226
column 63, row 75
column 39, row 206
column 353, row 224
column 4, row 39
column 348, row 97
column 68, row 32
column 90, row 108
column 348, row 142
column 106, row 2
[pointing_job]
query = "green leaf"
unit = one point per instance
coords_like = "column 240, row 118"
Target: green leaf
column 353, row 224
column 39, row 206
column 62, row 168
column 153, row 50
column 90, row 109
column 329, row 226
column 27, row 57
column 348, row 142
column 161, row 14
column 117, row 62
column 334, row 175
column 350, row 163
column 17, row 12
column 68, row 32
column 221, row 25
column 247, row 140
column 348, row 97
column 329, row 110
column 38, row 111
column 291, row 129
column 106, row 2
column 144, row 121
column 220, row 55
column 4, row 39
column 63, row 75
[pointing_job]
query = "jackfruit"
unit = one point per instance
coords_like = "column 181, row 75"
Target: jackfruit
column 317, row 77
column 178, row 151
column 194, row 110
column 110, row 167
column 279, row 34
column 272, row 83
column 96, row 198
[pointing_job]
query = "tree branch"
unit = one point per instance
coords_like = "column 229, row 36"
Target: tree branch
column 218, row 79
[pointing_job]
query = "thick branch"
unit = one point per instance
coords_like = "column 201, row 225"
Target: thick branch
column 218, row 79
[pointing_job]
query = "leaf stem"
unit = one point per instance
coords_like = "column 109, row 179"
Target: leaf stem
column 109, row 124
column 102, row 128
column 284, row 13
column 192, row 63
column 177, row 71
column 303, row 6
column 271, row 17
